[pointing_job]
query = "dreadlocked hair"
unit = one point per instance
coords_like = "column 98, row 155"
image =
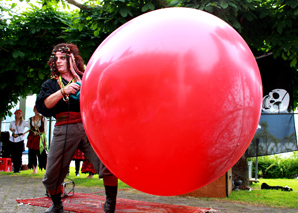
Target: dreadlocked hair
column 66, row 48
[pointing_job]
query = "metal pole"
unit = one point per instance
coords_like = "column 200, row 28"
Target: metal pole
column 23, row 106
column 50, row 130
column 257, row 150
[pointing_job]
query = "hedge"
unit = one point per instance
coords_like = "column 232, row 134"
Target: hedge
column 276, row 166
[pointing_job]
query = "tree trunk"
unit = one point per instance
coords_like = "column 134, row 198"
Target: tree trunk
column 240, row 171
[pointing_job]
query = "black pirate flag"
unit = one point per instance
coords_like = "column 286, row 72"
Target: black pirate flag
column 276, row 132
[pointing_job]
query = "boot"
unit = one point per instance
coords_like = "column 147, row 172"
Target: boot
column 57, row 206
column 111, row 195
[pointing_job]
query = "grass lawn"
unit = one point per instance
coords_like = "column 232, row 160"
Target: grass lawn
column 257, row 197
column 269, row 198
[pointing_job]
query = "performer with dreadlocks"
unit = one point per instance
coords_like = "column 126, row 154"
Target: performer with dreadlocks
column 58, row 98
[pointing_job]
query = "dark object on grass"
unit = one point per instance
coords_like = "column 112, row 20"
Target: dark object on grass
column 266, row 186
column 237, row 183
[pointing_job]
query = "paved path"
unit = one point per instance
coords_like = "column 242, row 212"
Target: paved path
column 15, row 187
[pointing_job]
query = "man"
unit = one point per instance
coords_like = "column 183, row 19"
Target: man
column 55, row 99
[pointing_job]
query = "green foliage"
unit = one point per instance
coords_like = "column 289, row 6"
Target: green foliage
column 231, row 11
column 106, row 17
column 277, row 167
column 85, row 40
column 25, row 46
column 267, row 26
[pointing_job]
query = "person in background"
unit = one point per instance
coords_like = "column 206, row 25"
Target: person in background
column 36, row 142
column 88, row 167
column 17, row 146
column 58, row 98
column 78, row 157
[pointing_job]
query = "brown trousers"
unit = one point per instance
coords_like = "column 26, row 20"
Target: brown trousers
column 73, row 137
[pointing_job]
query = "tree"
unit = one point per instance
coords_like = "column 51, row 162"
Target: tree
column 25, row 46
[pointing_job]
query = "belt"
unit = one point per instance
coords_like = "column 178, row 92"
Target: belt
column 68, row 118
column 17, row 135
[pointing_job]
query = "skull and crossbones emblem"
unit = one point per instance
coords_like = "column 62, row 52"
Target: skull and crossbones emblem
column 276, row 101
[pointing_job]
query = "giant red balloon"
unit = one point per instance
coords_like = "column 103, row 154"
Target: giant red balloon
column 171, row 100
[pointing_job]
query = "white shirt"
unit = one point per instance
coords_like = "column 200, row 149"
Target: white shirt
column 18, row 130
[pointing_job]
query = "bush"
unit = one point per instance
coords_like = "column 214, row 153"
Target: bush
column 277, row 166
